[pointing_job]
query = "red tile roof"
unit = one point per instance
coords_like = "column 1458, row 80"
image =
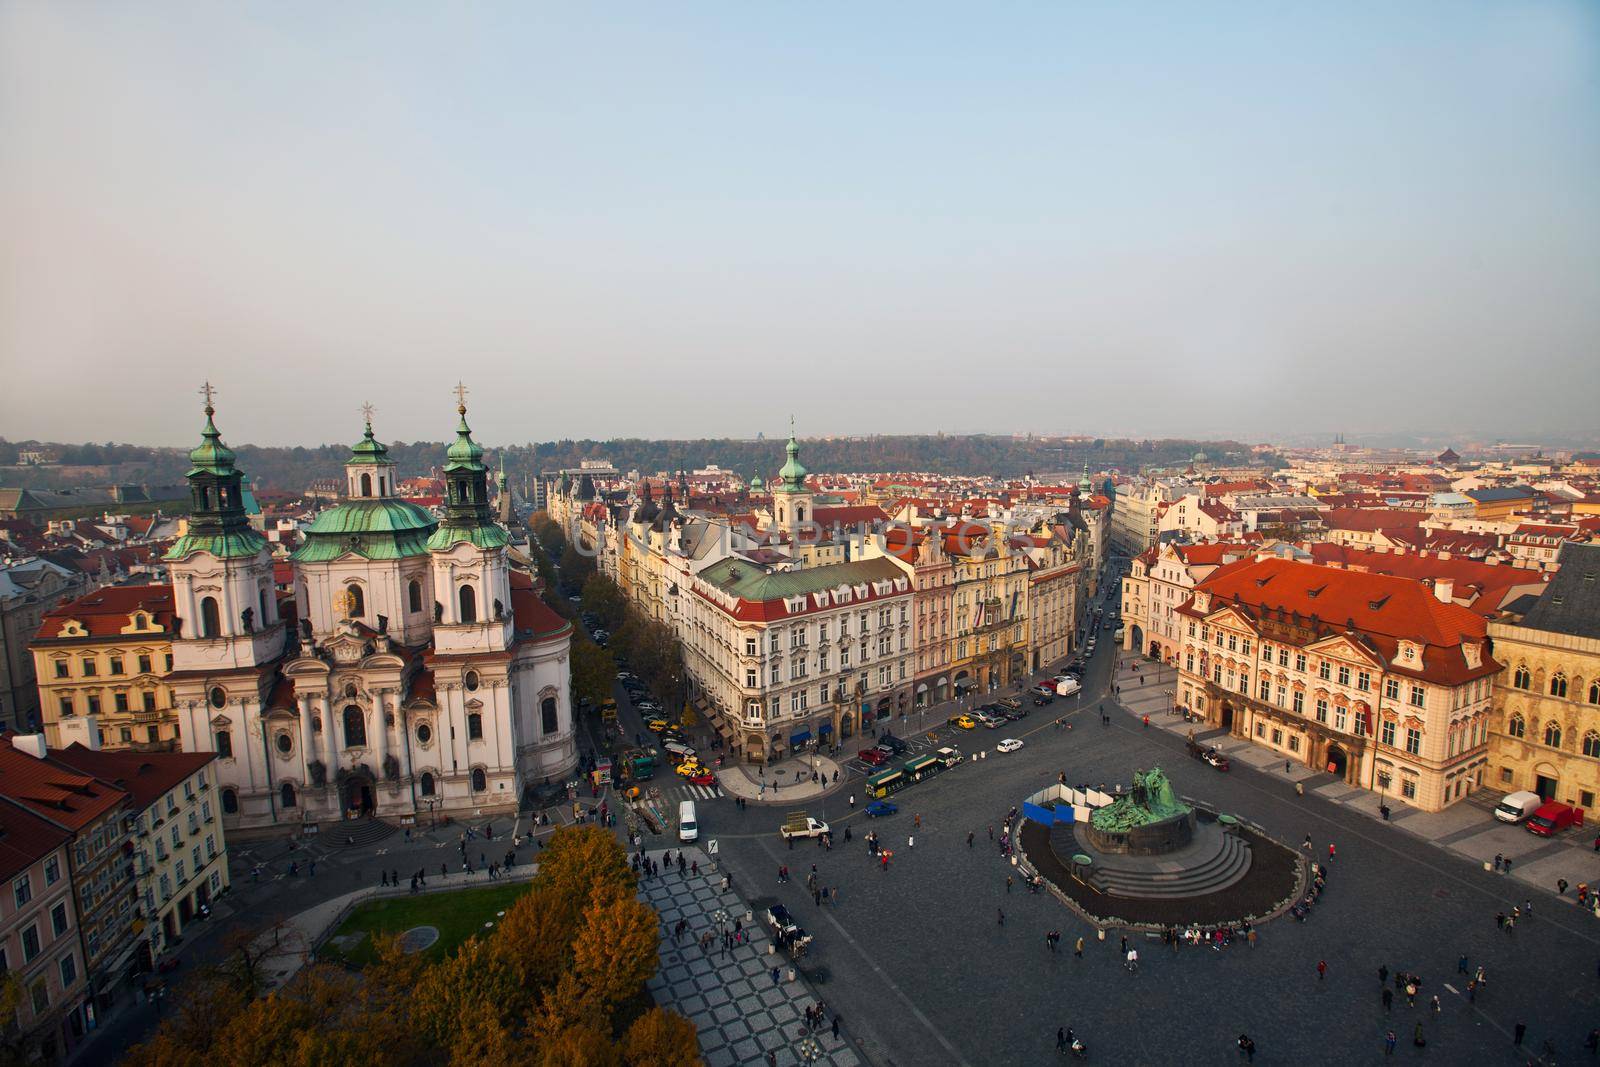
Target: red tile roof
column 145, row 776
column 1372, row 519
column 63, row 796
column 105, row 612
column 25, row 840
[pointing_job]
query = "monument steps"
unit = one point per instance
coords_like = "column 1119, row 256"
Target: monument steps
column 1227, row 864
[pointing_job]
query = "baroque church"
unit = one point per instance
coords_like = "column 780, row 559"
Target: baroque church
column 415, row 672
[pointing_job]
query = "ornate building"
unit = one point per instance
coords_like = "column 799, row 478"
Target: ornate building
column 425, row 673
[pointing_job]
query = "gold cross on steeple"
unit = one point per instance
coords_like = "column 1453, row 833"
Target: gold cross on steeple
column 366, row 412
column 461, row 397
column 208, row 391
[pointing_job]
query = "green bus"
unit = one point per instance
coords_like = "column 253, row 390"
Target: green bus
column 883, row 783
column 922, row 766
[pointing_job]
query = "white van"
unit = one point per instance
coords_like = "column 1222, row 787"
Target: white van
column 688, row 828
column 1067, row 687
column 1517, row 806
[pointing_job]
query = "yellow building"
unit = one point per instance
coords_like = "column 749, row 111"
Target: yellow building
column 1545, row 735
column 102, row 661
column 990, row 645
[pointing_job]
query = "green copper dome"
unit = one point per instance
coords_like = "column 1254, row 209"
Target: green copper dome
column 373, row 529
column 369, row 450
column 792, row 476
column 756, row 484
column 465, row 453
column 211, row 455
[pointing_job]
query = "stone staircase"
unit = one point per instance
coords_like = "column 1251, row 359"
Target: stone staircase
column 1152, row 877
column 355, row 833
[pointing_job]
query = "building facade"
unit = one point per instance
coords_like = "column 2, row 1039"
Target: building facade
column 1369, row 677
column 102, row 662
column 1545, row 735
column 39, row 944
column 29, row 588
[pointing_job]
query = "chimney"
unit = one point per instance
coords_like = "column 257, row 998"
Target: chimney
column 83, row 729
column 1444, row 589
column 32, row 744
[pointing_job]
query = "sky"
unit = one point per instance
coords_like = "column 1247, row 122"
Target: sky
column 1219, row 219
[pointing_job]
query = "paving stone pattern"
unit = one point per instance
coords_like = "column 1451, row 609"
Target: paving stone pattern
column 730, row 996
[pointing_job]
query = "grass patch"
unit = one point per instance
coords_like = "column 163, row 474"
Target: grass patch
column 457, row 915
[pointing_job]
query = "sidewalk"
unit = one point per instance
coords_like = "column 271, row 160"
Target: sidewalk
column 1466, row 828
column 783, row 783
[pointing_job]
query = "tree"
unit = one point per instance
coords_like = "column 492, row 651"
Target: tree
column 603, row 597
column 615, row 950
column 661, row 1038
column 579, row 1046
column 576, row 567
column 593, row 670
column 478, row 973
column 537, row 936
column 577, row 863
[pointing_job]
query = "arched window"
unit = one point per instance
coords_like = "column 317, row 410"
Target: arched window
column 475, row 727
column 1552, row 734
column 1558, row 685
column 414, row 595
column 468, row 599
column 355, row 728
column 230, row 802
column 547, row 712
column 1521, row 679
column 1516, row 727
column 210, row 619
column 1594, row 692
column 426, row 785
column 358, row 601
column 287, row 794
column 480, row 781
column 366, row 485
column 224, row 744
column 1591, row 744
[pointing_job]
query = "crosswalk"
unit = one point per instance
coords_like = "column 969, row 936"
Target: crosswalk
column 691, row 792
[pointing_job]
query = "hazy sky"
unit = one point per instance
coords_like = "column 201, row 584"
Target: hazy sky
column 684, row 219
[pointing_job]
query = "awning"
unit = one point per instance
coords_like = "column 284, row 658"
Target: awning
column 796, row 740
column 965, row 683
column 942, row 680
column 825, row 729
column 922, row 687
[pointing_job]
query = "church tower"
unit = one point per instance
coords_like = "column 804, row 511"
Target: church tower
column 791, row 499
column 221, row 568
column 472, row 608
column 230, row 638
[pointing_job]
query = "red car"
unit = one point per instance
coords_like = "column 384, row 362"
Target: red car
column 704, row 778
column 875, row 756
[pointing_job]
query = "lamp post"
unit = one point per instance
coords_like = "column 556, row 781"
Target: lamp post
column 808, row 1050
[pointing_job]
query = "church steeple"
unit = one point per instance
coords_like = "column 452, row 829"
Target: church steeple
column 369, row 472
column 467, row 516
column 791, row 499
column 218, row 522
column 1085, row 486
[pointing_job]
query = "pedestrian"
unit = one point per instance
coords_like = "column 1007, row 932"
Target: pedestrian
column 1561, row 887
column 1000, row 917
column 1247, row 1047
column 1388, row 998
column 1417, row 1039
column 1499, row 859
column 1383, row 973
column 1472, row 990
column 916, row 820
column 1008, row 883
column 1499, row 920
column 1061, row 1039
column 1286, row 766
column 1507, row 865
column 911, row 840
column 1330, row 851
column 969, row 838
column 1388, row 1043
column 1437, row 1007
column 1322, row 969
column 774, row 976
column 1517, row 1032
column 1077, row 948
column 991, row 832
column 836, row 1024
column 1306, row 844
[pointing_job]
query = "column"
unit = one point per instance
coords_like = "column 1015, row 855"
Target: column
column 330, row 747
column 307, row 752
column 402, row 741
column 380, row 734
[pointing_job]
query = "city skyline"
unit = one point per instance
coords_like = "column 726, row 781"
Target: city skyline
column 625, row 224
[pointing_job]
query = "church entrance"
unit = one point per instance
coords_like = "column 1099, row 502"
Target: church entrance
column 358, row 795
column 1227, row 716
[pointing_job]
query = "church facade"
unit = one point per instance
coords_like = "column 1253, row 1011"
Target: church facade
column 418, row 673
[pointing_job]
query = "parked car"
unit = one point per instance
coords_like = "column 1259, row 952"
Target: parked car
column 1042, row 700
column 965, row 722
column 879, row 808
column 1517, row 806
column 877, row 757
column 1045, row 689
column 1551, row 819
column 1067, row 687
column 1010, row 744
column 892, row 743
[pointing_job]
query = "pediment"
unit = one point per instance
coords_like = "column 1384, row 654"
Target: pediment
column 1342, row 646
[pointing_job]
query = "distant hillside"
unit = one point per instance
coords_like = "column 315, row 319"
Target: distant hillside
column 290, row 469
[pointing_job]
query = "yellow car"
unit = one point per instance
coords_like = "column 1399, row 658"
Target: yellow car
column 655, row 726
column 963, row 721
column 688, row 769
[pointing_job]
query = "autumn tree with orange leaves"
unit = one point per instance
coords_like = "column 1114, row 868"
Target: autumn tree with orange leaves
column 558, row 983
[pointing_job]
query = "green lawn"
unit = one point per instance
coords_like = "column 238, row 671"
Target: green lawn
column 458, row 915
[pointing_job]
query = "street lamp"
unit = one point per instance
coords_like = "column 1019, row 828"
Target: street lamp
column 808, row 1049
